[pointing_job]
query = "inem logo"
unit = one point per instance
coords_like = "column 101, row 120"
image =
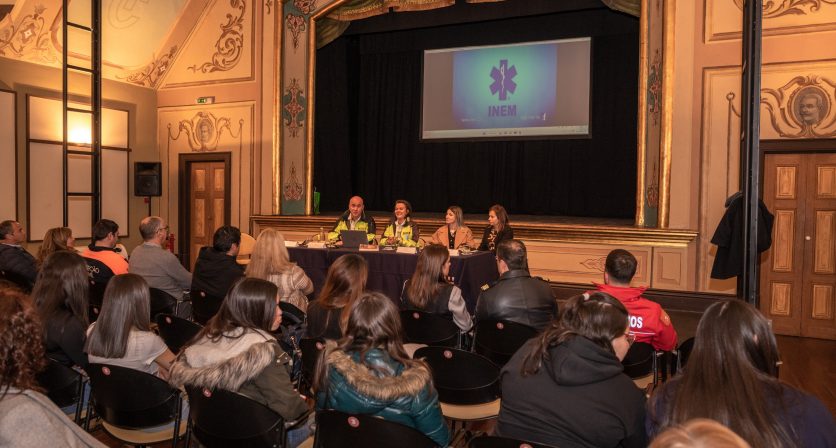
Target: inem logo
column 503, row 79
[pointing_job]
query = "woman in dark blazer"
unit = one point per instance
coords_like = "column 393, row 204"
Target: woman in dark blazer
column 498, row 228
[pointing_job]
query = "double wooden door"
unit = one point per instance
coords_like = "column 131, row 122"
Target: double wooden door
column 205, row 206
column 798, row 274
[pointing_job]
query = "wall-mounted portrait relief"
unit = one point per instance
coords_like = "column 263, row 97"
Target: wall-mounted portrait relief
column 205, row 132
column 809, row 106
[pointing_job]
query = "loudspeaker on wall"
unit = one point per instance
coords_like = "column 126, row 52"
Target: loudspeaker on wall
column 148, row 179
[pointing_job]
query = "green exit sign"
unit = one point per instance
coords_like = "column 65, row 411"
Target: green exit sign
column 206, row 100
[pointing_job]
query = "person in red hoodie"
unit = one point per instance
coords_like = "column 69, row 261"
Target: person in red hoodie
column 648, row 321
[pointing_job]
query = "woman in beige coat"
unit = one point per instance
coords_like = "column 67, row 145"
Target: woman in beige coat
column 454, row 234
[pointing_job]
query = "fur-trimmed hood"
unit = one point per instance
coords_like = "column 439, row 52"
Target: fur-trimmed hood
column 227, row 363
column 390, row 382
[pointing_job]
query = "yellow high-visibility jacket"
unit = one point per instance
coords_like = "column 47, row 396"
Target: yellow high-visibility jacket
column 409, row 233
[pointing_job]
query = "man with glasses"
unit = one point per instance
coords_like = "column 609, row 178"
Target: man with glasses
column 158, row 266
column 648, row 321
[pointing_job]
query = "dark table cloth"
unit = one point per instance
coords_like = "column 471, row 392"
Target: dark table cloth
column 388, row 270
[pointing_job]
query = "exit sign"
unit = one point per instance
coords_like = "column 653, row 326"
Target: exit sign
column 205, row 100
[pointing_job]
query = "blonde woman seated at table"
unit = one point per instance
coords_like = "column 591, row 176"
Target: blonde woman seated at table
column 428, row 290
column 454, row 234
column 270, row 261
column 401, row 231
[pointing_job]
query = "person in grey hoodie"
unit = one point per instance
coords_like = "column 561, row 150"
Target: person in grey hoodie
column 567, row 388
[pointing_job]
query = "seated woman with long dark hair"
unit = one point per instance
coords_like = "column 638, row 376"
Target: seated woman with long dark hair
column 61, row 295
column 27, row 417
column 428, row 289
column 732, row 377
column 122, row 335
column 567, row 388
column 368, row 372
column 236, row 351
column 498, row 229
column 345, row 281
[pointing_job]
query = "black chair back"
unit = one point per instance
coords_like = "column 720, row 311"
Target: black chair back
column 336, row 429
column 17, row 280
column 311, row 351
column 131, row 399
column 162, row 302
column 640, row 361
column 204, row 305
column 461, row 377
column 176, row 331
column 63, row 385
column 220, row 418
column 430, row 329
column 502, row 442
column 681, row 355
column 95, row 299
column 499, row 340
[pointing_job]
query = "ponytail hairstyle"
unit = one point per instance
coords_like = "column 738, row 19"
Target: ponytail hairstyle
column 598, row 317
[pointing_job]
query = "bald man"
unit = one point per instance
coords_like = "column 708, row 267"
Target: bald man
column 353, row 219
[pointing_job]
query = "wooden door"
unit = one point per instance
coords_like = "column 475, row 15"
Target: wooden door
column 798, row 274
column 205, row 186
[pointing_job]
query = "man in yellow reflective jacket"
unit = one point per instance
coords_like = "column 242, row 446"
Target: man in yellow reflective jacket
column 353, row 219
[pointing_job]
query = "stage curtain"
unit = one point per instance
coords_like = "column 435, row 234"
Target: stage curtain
column 368, row 123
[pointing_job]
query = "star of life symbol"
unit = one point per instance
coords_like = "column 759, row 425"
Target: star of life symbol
column 503, row 79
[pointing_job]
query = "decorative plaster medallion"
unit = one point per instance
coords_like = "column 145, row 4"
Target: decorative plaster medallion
column 293, row 111
column 802, row 108
column 204, row 130
column 293, row 189
column 296, row 26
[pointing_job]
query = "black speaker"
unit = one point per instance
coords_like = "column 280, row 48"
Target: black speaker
column 148, row 179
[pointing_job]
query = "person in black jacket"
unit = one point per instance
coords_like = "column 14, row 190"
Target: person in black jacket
column 216, row 269
column 516, row 296
column 498, row 229
column 14, row 259
column 567, row 388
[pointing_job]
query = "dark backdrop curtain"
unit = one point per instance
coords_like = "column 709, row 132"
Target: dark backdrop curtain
column 368, row 113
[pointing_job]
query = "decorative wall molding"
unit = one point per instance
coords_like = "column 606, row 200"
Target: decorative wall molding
column 229, row 46
column 293, row 109
column 596, row 264
column 803, row 107
column 151, row 74
column 204, row 130
column 723, row 18
column 296, row 26
column 293, row 188
column 268, row 6
column 778, row 8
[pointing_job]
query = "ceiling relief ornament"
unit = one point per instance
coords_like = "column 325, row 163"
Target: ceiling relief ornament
column 654, row 88
column 296, row 26
column 802, row 108
column 229, row 46
column 293, row 111
column 204, row 130
column 28, row 39
column 595, row 264
column 153, row 72
column 292, row 188
column 778, row 8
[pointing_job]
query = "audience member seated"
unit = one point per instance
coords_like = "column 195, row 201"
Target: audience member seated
column 498, row 229
column 353, row 219
column 270, row 261
column 566, row 387
column 732, row 377
column 401, row 231
column 454, row 234
column 237, row 352
column 368, row 372
column 122, row 335
column 345, row 281
column 216, row 269
column 159, row 267
column 429, row 289
column 649, row 323
column 13, row 257
column 61, row 295
column 516, row 295
column 699, row 433
column 55, row 239
column 104, row 260
column 27, row 417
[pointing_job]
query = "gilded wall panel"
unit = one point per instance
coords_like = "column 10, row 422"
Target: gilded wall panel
column 723, row 18
column 179, row 131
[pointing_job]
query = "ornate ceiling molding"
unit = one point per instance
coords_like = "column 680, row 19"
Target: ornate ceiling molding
column 29, row 39
column 229, row 46
column 778, row 8
column 151, row 74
